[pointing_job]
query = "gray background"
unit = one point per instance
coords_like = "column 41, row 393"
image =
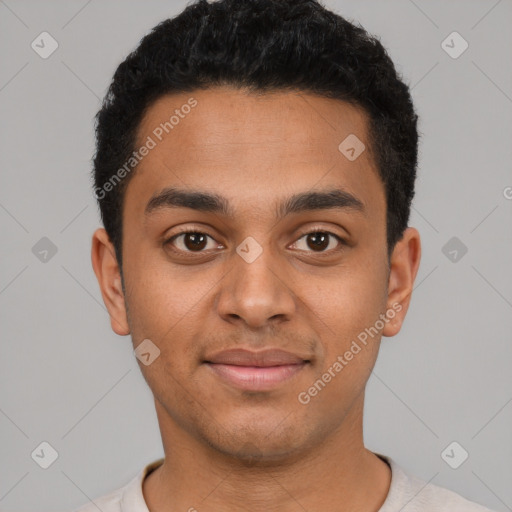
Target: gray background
column 67, row 379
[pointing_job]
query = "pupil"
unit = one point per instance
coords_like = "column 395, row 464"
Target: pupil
column 320, row 240
column 198, row 241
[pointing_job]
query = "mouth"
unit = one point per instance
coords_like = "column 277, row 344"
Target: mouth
column 256, row 371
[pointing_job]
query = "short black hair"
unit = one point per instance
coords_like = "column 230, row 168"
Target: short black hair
column 262, row 46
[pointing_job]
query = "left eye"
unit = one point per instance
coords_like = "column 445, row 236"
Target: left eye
column 319, row 241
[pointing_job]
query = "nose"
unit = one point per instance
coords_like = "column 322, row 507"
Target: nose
column 256, row 293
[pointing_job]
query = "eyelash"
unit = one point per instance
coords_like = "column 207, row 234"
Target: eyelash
column 170, row 240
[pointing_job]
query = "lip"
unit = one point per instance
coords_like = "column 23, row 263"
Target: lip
column 255, row 371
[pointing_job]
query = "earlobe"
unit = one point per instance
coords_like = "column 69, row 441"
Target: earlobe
column 107, row 272
column 404, row 265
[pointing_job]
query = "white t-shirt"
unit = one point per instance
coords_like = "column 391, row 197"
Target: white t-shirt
column 407, row 493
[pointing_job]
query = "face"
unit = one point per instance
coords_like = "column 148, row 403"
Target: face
column 255, row 260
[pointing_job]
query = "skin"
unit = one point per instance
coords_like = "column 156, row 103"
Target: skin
column 225, row 448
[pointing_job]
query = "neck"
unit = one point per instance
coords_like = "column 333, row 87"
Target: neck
column 338, row 474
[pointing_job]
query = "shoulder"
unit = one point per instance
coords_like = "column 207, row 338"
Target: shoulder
column 125, row 499
column 108, row 503
column 411, row 494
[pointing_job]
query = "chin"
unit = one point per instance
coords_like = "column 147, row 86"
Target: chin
column 260, row 441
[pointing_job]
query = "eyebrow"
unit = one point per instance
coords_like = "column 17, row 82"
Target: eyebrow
column 215, row 203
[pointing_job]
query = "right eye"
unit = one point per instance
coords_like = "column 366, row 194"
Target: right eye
column 189, row 241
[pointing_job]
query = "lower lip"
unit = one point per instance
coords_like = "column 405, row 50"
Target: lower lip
column 255, row 378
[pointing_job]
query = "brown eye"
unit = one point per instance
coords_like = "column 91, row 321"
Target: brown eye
column 194, row 241
column 189, row 241
column 319, row 241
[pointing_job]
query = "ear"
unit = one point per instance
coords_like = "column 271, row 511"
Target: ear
column 404, row 264
column 107, row 272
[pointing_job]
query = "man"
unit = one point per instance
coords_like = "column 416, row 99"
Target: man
column 255, row 168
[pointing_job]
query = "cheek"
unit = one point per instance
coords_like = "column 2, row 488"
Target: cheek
column 347, row 302
column 170, row 385
column 161, row 300
column 170, row 375
column 336, row 386
column 167, row 310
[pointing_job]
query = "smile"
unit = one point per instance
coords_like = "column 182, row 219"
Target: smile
column 255, row 371
column 255, row 378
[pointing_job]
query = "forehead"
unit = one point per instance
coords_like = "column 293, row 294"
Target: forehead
column 253, row 148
